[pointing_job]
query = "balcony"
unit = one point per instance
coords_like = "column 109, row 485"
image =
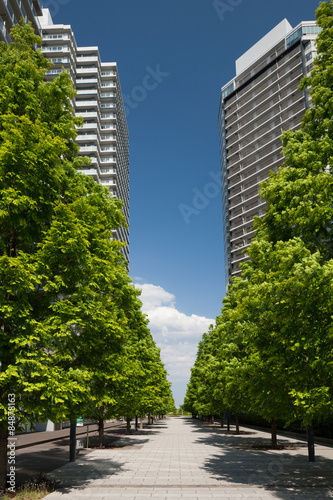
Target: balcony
column 86, row 114
column 109, row 182
column 86, row 81
column 87, row 93
column 86, row 71
column 81, row 58
column 54, row 72
column 86, row 104
column 108, row 171
column 57, row 36
column 88, row 126
column 108, row 105
column 86, row 137
column 107, row 85
column 108, row 116
column 105, row 95
column 109, row 138
column 106, row 161
column 55, row 48
column 108, row 73
column 88, row 149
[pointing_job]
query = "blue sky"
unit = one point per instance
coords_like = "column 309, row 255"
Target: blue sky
column 173, row 57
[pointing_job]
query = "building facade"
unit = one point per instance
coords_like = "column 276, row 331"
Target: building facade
column 256, row 106
column 11, row 11
column 104, row 135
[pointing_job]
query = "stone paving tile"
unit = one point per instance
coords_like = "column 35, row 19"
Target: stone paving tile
column 185, row 459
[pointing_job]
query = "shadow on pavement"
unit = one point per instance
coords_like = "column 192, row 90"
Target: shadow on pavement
column 46, row 457
column 70, row 476
column 151, row 429
column 42, row 459
column 281, row 471
column 78, row 475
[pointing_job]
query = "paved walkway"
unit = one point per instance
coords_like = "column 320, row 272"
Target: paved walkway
column 181, row 458
column 42, row 452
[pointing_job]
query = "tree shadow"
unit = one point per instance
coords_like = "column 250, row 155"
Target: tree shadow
column 123, row 442
column 81, row 473
column 239, row 462
column 42, row 458
column 91, row 468
column 47, row 457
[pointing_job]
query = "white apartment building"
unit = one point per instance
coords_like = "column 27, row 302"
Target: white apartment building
column 11, row 11
column 104, row 136
column 256, row 106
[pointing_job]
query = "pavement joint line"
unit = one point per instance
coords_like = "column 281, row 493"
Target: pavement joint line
column 205, row 486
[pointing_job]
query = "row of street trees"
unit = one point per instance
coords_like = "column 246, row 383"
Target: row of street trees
column 73, row 338
column 271, row 350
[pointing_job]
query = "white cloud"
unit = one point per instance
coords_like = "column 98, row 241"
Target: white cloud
column 153, row 296
column 176, row 333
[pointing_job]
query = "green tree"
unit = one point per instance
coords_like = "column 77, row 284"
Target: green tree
column 299, row 195
column 291, row 257
column 37, row 160
column 291, row 340
column 145, row 388
column 84, row 269
column 64, row 285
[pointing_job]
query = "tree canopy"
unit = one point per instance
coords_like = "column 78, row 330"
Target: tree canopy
column 276, row 330
column 73, row 339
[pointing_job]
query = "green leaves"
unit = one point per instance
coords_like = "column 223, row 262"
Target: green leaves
column 272, row 348
column 73, row 339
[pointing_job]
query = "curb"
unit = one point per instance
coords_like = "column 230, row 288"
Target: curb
column 318, row 440
column 51, row 439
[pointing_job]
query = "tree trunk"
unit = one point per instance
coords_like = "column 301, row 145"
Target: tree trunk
column 237, row 422
column 148, row 418
column 128, row 425
column 72, row 441
column 141, row 423
column 101, row 432
column 3, row 458
column 311, row 447
column 222, row 423
column 213, row 419
column 273, row 431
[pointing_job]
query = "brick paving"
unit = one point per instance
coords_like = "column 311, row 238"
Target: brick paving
column 42, row 452
column 181, row 458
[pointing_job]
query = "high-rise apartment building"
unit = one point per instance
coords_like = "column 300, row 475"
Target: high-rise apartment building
column 12, row 11
column 104, row 135
column 256, row 106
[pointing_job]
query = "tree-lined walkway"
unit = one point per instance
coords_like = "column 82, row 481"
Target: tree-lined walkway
column 184, row 458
